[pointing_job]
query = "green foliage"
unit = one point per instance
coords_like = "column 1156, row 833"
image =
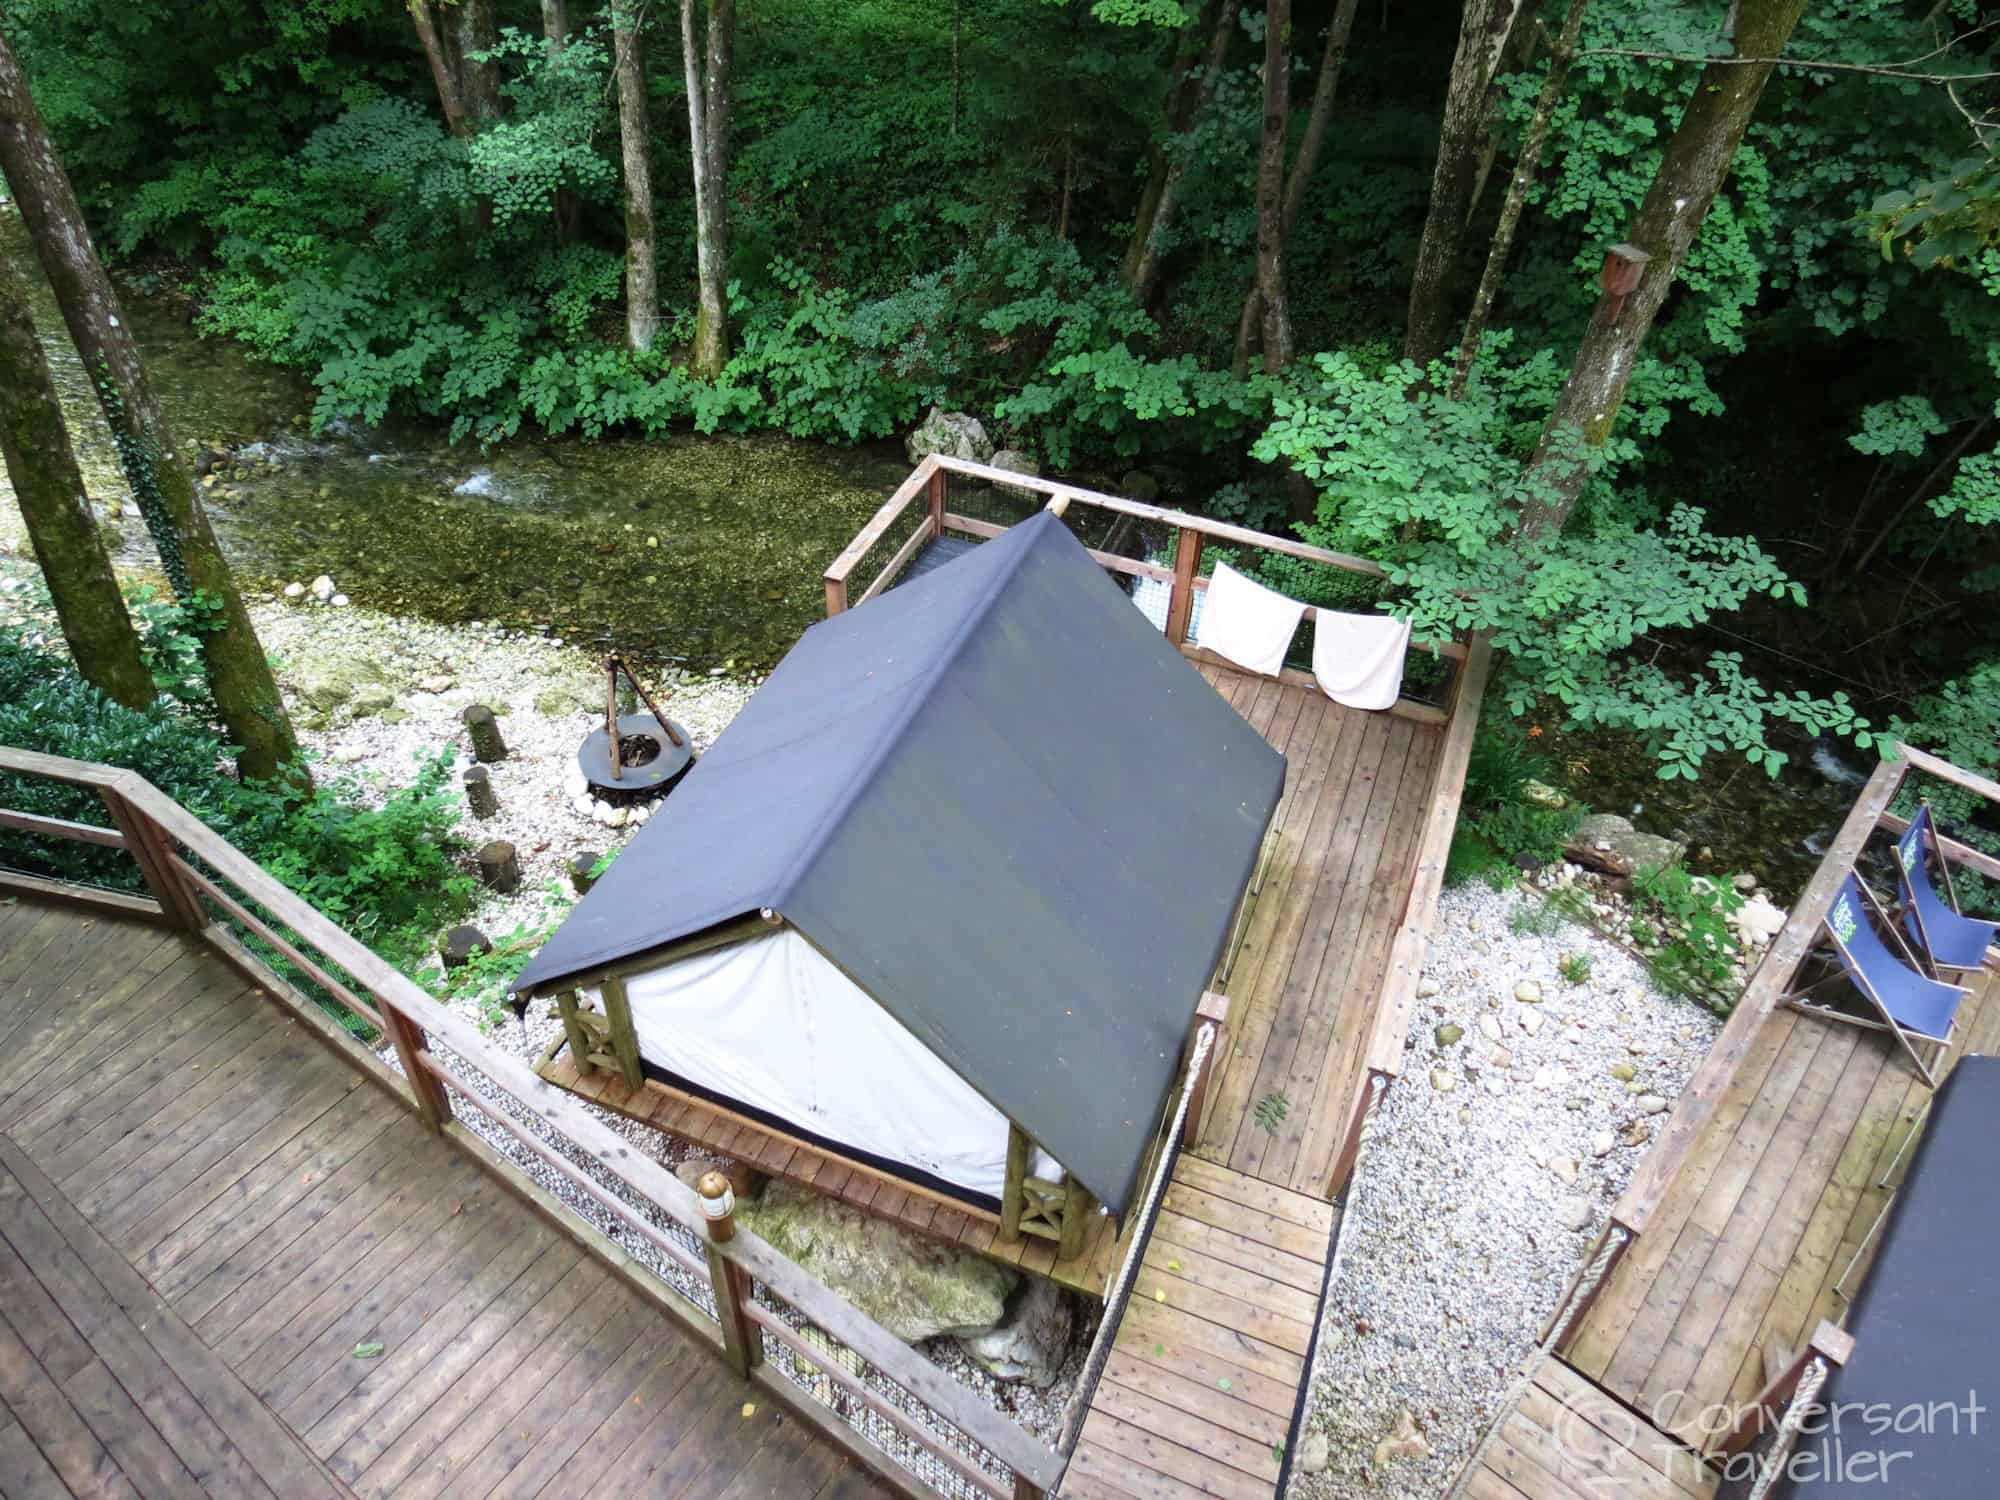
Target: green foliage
column 1270, row 1112
column 1497, row 819
column 487, row 978
column 382, row 864
column 1960, row 721
column 1681, row 923
column 1435, row 488
column 1574, row 968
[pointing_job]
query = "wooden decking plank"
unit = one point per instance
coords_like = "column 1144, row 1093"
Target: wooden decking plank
column 43, row 1328
column 1354, row 753
column 1199, row 1399
column 158, row 1359
column 621, row 1348
column 579, row 1295
column 385, row 1295
column 676, row 1446
column 1297, row 1271
column 128, row 999
column 138, row 1226
column 60, row 1432
column 1266, row 1229
column 674, row 1398
column 1162, row 1323
column 1303, row 1209
column 1169, row 1422
column 103, row 1058
column 339, row 1400
column 1333, row 1057
column 1096, row 1471
column 1311, row 997
column 1238, row 1283
column 1275, row 921
column 1166, row 1459
column 1157, row 1342
column 1671, row 1364
column 61, row 971
column 180, row 1131
column 1560, row 1394
column 658, row 1353
column 23, row 1470
column 286, row 1246
column 308, row 1164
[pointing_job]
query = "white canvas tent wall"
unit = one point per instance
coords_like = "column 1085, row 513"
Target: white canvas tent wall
column 999, row 807
column 768, row 1022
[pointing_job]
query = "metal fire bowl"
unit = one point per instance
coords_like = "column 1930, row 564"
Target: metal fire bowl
column 658, row 775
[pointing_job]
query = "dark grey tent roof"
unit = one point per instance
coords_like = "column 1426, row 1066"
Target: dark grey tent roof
column 1925, row 1323
column 1005, row 807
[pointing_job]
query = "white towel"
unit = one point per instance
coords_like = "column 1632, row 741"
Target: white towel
column 1246, row 622
column 1358, row 659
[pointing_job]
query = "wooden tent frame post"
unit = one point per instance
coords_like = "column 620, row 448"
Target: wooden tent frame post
column 1031, row 1205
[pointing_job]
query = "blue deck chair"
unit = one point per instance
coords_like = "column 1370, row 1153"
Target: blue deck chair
column 1914, row 1008
column 1943, row 935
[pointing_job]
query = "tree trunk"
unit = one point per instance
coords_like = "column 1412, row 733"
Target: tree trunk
column 34, row 442
column 708, row 91
column 555, row 25
column 239, row 675
column 635, row 137
column 1186, row 99
column 1303, row 166
column 1691, row 172
column 1525, row 167
column 444, row 65
column 1459, row 139
column 1276, row 317
column 479, row 82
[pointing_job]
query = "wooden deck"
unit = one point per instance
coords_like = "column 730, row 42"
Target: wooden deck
column 725, row 1133
column 1566, row 1440
column 204, row 1213
column 1309, row 971
column 1199, row 1389
column 1757, row 1229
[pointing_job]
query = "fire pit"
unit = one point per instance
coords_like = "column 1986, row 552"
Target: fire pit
column 636, row 756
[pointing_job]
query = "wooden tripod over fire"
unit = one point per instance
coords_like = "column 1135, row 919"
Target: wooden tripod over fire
column 613, row 665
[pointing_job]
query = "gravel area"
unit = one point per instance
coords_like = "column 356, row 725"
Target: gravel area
column 1526, row 1101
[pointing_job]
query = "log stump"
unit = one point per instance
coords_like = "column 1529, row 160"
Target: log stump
column 581, row 868
column 461, row 945
column 499, row 867
column 484, row 732
column 479, row 793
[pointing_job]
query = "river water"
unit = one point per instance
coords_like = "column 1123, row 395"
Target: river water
column 701, row 551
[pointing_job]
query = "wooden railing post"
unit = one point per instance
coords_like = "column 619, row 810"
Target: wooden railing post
column 935, row 495
column 1013, row 1188
column 1833, row 1345
column 1213, row 1010
column 432, row 1101
column 1187, row 562
column 147, row 845
column 624, row 1036
column 836, row 597
column 742, row 1344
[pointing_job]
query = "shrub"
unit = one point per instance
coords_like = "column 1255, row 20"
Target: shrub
column 384, row 868
column 1496, row 820
column 1681, row 921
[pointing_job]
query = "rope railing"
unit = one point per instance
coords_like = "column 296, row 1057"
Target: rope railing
column 1804, row 1399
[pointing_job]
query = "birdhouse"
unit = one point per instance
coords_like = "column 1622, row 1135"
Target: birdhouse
column 1623, row 266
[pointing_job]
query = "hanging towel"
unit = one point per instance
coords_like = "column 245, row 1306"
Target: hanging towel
column 1358, row 659
column 1246, row 622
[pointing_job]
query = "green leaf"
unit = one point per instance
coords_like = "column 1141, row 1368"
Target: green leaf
column 372, row 1350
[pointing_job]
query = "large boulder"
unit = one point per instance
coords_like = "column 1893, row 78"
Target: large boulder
column 329, row 680
column 910, row 1284
column 1033, row 1340
column 1607, row 842
column 1017, row 461
column 955, row 434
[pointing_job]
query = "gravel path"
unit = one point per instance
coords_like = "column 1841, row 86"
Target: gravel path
column 1525, row 1102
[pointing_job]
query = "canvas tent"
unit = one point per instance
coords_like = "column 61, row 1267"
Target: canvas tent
column 968, row 857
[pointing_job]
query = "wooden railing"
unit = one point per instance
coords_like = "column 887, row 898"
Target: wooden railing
column 930, row 483
column 950, row 1441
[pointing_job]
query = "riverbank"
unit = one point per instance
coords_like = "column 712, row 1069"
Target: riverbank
column 1540, row 1065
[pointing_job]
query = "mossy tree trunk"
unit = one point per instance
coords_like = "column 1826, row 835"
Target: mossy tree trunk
column 1482, row 35
column 708, row 92
column 442, row 57
column 1299, row 178
column 1276, row 315
column 34, row 441
column 1526, row 164
column 479, row 81
column 1189, row 90
column 635, row 138
column 1691, row 172
column 239, row 674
